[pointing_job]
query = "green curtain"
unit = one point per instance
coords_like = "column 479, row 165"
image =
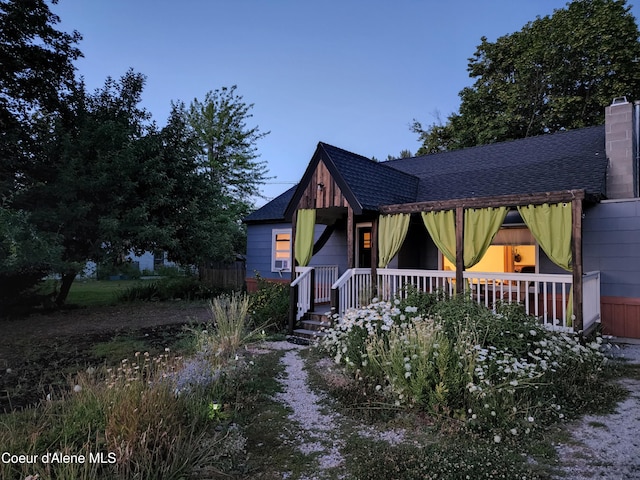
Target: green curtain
column 442, row 228
column 392, row 230
column 305, row 225
column 480, row 226
column 551, row 227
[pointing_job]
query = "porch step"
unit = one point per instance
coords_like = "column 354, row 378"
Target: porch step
column 318, row 315
column 305, row 336
column 315, row 325
column 311, row 327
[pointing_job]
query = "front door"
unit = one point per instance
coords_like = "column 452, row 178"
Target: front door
column 363, row 246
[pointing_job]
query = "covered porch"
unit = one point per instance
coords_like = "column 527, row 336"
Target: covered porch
column 565, row 302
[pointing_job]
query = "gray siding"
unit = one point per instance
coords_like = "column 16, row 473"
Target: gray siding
column 259, row 238
column 611, row 244
column 334, row 251
column 259, row 249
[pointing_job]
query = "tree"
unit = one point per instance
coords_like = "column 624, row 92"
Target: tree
column 557, row 73
column 37, row 72
column 37, row 69
column 403, row 154
column 110, row 183
column 230, row 160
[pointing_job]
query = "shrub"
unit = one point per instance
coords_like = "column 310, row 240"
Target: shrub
column 170, row 288
column 133, row 412
column 128, row 270
column 269, row 305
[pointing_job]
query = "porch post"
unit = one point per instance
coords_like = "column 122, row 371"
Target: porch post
column 350, row 235
column 459, row 249
column 576, row 252
column 374, row 256
column 293, row 291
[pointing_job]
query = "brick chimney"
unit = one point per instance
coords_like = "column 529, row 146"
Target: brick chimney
column 621, row 144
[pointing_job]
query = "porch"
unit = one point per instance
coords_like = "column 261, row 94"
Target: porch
column 548, row 297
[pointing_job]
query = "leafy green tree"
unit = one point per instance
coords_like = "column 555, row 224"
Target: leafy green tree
column 36, row 74
column 37, row 68
column 229, row 158
column 557, row 73
column 110, row 182
column 84, row 180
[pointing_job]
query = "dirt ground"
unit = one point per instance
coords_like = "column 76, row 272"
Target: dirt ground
column 40, row 350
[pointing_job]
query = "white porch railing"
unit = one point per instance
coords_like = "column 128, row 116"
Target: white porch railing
column 316, row 280
column 326, row 275
column 303, row 283
column 545, row 296
column 353, row 289
column 590, row 300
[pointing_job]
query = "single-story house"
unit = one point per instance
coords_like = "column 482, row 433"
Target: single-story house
column 551, row 221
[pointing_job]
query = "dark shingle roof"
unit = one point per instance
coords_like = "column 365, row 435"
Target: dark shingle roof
column 574, row 159
column 372, row 183
column 274, row 210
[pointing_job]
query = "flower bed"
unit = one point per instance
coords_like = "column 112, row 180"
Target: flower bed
column 501, row 373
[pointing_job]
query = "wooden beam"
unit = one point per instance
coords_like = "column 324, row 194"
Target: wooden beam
column 484, row 202
column 294, row 221
column 576, row 253
column 350, row 236
column 374, row 256
column 293, row 291
column 459, row 249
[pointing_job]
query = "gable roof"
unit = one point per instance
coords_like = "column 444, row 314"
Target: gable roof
column 571, row 160
column 372, row 183
column 575, row 159
column 365, row 183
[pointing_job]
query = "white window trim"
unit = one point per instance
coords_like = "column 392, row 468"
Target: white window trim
column 274, row 233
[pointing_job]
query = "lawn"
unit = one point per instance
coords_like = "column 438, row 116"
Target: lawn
column 89, row 292
column 99, row 292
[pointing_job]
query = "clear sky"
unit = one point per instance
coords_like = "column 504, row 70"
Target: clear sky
column 352, row 73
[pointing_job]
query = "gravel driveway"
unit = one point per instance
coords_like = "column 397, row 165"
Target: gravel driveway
column 607, row 446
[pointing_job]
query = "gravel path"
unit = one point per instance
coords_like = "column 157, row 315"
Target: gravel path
column 601, row 446
column 318, row 433
column 320, row 430
column 607, row 446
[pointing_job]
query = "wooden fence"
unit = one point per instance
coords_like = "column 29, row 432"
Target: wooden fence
column 228, row 275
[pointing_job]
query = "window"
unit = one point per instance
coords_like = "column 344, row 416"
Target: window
column 281, row 250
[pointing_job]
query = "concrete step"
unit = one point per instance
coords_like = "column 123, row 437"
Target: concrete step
column 306, row 333
column 319, row 315
column 315, row 325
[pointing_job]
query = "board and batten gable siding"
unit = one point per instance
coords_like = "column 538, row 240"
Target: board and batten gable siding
column 611, row 244
column 328, row 195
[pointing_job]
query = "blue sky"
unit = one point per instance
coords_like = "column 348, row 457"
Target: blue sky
column 351, row 73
